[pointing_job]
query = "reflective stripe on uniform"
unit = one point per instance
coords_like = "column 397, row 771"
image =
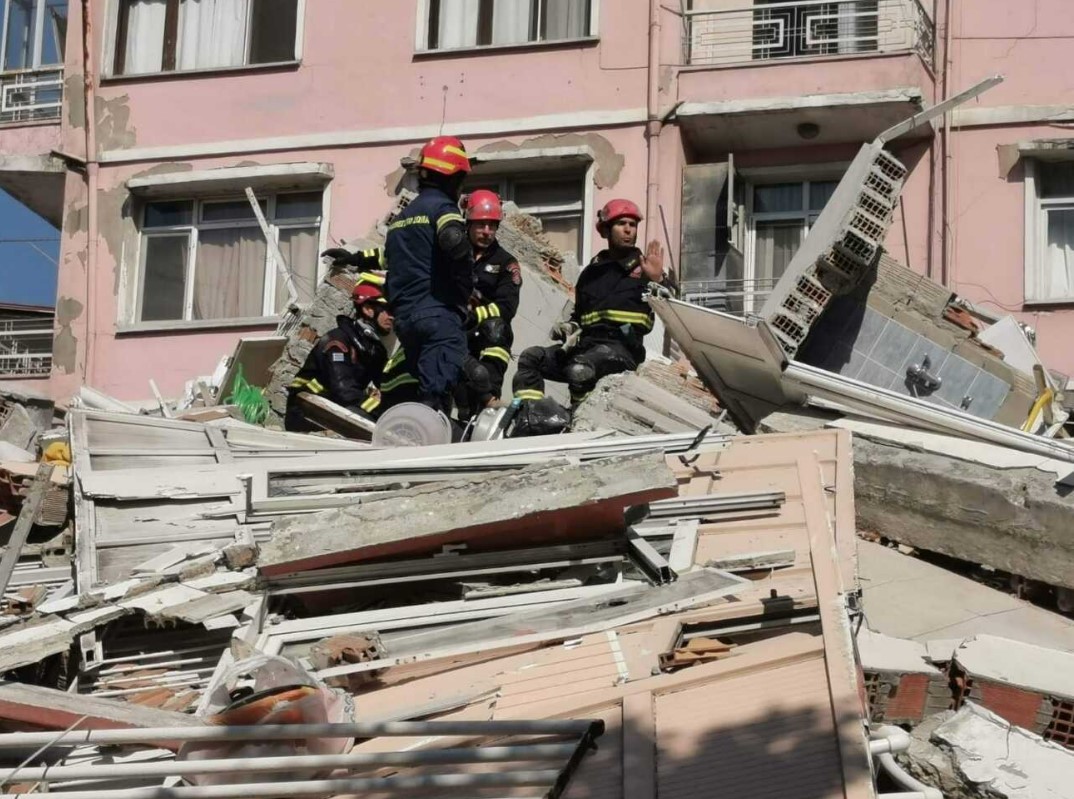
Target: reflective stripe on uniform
column 312, row 384
column 529, row 394
column 371, row 277
column 490, row 311
column 370, row 404
column 576, row 398
column 447, row 219
column 499, row 353
column 394, row 361
column 619, row 317
column 395, row 382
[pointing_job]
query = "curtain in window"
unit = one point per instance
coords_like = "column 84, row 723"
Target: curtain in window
column 776, row 244
column 299, row 249
column 1059, row 257
column 511, row 21
column 566, row 19
column 212, row 33
column 145, row 37
column 229, row 277
column 458, row 23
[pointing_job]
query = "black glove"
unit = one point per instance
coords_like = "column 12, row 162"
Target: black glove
column 338, row 254
column 365, row 258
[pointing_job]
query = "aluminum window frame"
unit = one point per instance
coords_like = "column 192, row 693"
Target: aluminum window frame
column 268, row 299
column 423, row 21
column 770, row 177
column 110, row 50
column 504, row 186
column 1036, row 234
column 37, row 32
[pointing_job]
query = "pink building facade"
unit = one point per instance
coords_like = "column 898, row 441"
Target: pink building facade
column 160, row 113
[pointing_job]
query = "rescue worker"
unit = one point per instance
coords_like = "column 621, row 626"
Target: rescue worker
column 605, row 333
column 345, row 360
column 431, row 274
column 397, row 384
column 493, row 305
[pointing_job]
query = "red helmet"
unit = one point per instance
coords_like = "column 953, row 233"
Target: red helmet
column 444, row 154
column 367, row 292
column 616, row 209
column 483, row 205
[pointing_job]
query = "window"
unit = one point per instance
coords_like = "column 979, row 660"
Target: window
column 1050, row 265
column 812, row 27
column 34, row 33
column 169, row 35
column 208, row 259
column 475, row 23
column 782, row 215
column 558, row 201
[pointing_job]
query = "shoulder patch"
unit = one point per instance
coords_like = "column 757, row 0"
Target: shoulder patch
column 338, row 357
column 335, row 345
column 516, row 273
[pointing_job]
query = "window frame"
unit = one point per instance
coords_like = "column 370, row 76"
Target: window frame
column 191, row 230
column 1035, row 237
column 423, row 33
column 804, row 175
column 111, row 52
column 504, row 187
column 38, row 34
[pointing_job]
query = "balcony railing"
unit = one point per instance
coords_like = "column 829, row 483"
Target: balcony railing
column 737, row 297
column 731, row 32
column 25, row 347
column 31, row 95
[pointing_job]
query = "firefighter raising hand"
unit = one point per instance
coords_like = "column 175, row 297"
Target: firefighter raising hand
column 652, row 264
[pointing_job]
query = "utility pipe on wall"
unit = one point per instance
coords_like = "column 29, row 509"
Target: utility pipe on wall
column 92, row 166
column 653, row 125
column 945, row 159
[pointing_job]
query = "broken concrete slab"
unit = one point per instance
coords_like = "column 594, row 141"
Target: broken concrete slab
column 1012, row 519
column 57, row 710
column 628, row 403
column 535, row 506
column 209, row 606
column 49, row 635
column 18, row 429
column 906, row 597
column 1005, row 760
column 1033, row 668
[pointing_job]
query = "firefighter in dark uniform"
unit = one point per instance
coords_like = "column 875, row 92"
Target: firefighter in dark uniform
column 345, row 360
column 605, row 333
column 498, row 284
column 397, row 384
column 430, row 275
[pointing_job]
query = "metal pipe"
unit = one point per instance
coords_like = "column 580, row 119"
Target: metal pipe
column 323, row 787
column 286, row 732
column 945, row 144
column 918, row 413
column 258, row 765
column 652, row 113
column 894, row 770
column 92, row 169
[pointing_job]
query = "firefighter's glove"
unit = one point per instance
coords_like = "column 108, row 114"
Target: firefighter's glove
column 561, row 331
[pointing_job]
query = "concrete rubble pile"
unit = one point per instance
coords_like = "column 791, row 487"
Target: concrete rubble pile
column 719, row 581
column 529, row 616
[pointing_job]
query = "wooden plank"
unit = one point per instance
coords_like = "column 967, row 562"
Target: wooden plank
column 27, row 516
column 848, row 713
column 330, row 416
column 639, row 747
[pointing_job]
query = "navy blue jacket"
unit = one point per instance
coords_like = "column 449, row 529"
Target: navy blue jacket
column 421, row 278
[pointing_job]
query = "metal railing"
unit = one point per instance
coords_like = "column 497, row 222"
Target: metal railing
column 25, row 347
column 33, row 95
column 737, row 297
column 743, row 33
